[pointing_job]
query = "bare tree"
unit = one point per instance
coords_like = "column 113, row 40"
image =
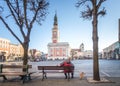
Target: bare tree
column 32, row 53
column 24, row 13
column 91, row 13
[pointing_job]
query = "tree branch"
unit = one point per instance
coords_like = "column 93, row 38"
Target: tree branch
column 19, row 18
column 10, row 30
column 88, row 13
column 81, row 2
column 9, row 6
column 1, row 9
column 102, row 12
column 25, row 12
column 99, row 3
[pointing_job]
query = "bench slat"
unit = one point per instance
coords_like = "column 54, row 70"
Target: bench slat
column 13, row 73
column 50, row 68
column 16, row 66
column 24, row 75
column 54, row 68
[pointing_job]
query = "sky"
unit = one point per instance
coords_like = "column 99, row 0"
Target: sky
column 73, row 29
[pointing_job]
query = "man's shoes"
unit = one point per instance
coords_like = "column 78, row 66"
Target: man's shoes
column 65, row 77
column 72, row 77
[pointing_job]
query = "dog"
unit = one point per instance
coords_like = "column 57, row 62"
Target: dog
column 82, row 74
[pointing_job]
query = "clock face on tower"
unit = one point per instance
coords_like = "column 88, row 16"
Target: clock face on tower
column 54, row 41
column 54, row 34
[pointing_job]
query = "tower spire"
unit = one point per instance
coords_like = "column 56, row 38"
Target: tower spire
column 55, row 19
column 55, row 31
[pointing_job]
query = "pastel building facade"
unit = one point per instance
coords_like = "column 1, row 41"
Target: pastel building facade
column 56, row 49
column 77, row 53
column 8, row 50
column 16, row 50
column 4, row 48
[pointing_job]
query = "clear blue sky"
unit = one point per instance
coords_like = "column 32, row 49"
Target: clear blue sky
column 73, row 29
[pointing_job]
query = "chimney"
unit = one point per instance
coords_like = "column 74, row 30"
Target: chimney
column 119, row 30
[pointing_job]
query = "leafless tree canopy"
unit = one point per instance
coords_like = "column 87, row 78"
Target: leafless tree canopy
column 88, row 12
column 23, row 13
column 92, row 11
column 1, row 9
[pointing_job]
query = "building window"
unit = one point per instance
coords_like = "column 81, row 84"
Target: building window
column 57, row 53
column 54, row 33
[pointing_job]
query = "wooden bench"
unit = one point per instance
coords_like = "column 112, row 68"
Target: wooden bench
column 15, row 70
column 57, row 69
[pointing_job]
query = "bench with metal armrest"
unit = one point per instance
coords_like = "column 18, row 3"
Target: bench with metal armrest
column 57, row 69
column 15, row 70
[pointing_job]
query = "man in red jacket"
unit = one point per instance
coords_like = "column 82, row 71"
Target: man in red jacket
column 65, row 64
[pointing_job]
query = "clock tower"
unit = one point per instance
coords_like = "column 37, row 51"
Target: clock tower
column 55, row 31
column 57, row 49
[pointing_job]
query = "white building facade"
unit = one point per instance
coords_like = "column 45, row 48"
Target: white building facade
column 112, row 51
column 59, row 50
column 56, row 49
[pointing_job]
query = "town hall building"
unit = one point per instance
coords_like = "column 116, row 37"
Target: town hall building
column 57, row 49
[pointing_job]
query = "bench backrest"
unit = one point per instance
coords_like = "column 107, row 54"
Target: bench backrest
column 54, row 68
column 50, row 68
column 2, row 66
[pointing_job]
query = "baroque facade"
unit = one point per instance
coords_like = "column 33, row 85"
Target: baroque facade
column 8, row 49
column 77, row 53
column 56, row 49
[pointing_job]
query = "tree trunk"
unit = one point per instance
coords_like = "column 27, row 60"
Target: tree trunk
column 119, row 51
column 25, row 57
column 96, row 75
